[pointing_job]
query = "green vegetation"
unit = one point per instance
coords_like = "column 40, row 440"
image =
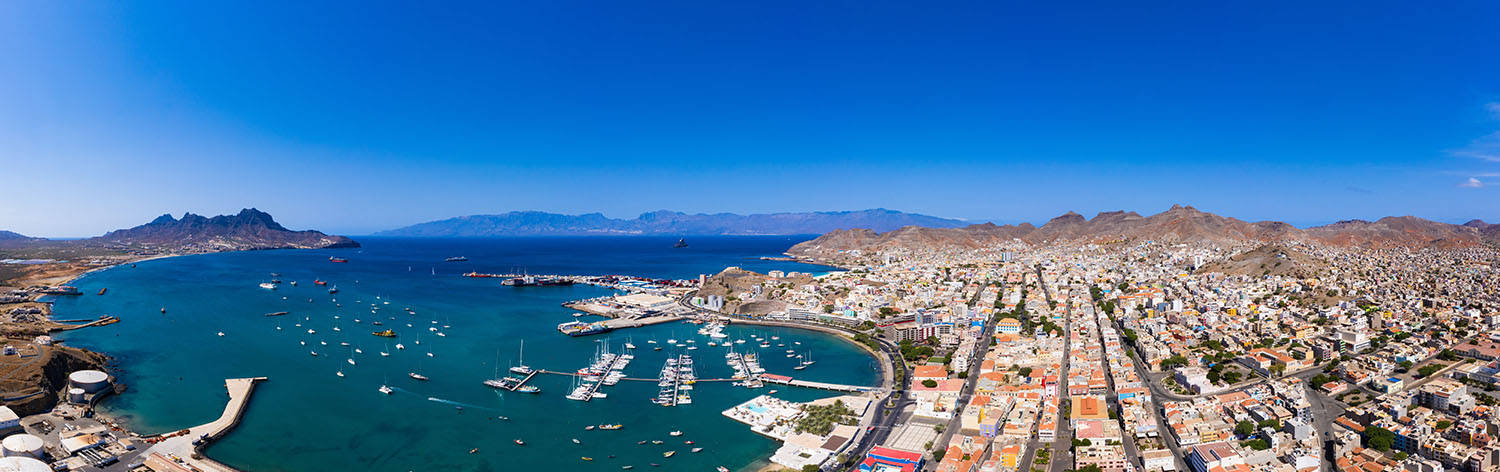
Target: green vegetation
column 929, row 383
column 1024, row 372
column 1173, row 362
column 819, row 420
column 937, row 455
column 1429, row 369
column 1401, row 455
column 1256, row 444
column 1272, row 423
column 913, row 352
column 1244, row 428
column 1444, row 424
column 1447, row 355
column 1379, row 438
column 886, row 312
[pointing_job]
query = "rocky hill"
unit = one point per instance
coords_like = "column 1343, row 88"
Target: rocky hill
column 535, row 223
column 1270, row 259
column 1177, row 224
column 249, row 229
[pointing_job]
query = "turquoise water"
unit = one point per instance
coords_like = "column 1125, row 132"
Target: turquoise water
column 305, row 418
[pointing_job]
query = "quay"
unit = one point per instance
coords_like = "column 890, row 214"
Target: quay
column 784, row 380
column 184, row 446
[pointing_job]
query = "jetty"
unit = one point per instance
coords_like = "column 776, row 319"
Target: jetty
column 183, row 445
column 784, row 380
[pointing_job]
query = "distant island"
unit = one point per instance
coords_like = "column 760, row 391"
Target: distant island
column 536, row 223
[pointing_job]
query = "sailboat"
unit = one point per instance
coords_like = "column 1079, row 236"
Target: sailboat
column 386, row 390
column 522, row 368
column 415, row 375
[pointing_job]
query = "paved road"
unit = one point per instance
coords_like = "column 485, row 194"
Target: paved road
column 1062, row 444
column 975, row 360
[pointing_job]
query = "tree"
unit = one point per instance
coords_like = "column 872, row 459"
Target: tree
column 1172, row 362
column 827, row 308
column 937, row 456
column 1232, row 376
column 886, row 311
column 1401, row 455
column 1447, row 355
column 1429, row 369
column 929, row 383
column 1272, row 423
column 1025, row 372
column 1379, row 438
column 963, row 375
column 1244, row 428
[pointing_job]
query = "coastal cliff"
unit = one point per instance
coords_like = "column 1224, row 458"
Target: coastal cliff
column 37, row 384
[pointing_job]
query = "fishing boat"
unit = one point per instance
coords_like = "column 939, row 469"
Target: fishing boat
column 385, row 334
column 338, row 260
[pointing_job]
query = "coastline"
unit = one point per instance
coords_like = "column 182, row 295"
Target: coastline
column 202, row 453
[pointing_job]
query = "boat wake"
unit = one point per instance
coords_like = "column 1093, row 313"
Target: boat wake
column 462, row 404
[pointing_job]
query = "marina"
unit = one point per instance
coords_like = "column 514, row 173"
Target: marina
column 478, row 317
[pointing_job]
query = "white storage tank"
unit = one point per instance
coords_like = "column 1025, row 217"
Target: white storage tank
column 23, row 464
column 90, row 381
column 77, row 395
column 21, row 445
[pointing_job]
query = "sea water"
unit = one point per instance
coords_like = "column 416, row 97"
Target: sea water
column 306, row 418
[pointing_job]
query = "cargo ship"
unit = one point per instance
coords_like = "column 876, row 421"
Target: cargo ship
column 477, row 274
column 534, row 281
column 337, row 259
column 579, row 328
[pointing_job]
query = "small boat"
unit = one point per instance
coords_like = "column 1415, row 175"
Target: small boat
column 268, row 286
column 656, row 441
column 385, row 334
column 314, row 353
column 102, row 290
column 721, row 469
column 384, row 354
column 279, row 313
column 627, row 467
column 337, row 260
column 668, row 453
column 221, row 334
column 588, row 428
column 474, row 451
column 641, row 442
column 319, row 282
column 576, row 441
column 611, row 427
column 399, row 346
column 386, row 390
column 416, row 376
column 587, row 458
column 697, row 449
column 675, row 433
column 456, row 259
column 339, row 373
column 520, row 442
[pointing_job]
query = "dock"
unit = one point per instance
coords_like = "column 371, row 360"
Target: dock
column 784, row 380
column 183, row 445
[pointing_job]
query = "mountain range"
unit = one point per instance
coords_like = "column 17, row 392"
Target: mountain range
column 535, row 223
column 247, row 230
column 1177, row 224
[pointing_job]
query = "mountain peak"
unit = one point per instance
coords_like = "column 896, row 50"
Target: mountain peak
column 248, row 229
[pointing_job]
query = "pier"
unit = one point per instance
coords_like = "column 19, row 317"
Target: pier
column 513, row 386
column 183, row 445
column 784, row 380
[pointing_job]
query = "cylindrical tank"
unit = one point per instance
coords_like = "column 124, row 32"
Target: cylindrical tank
column 21, row 445
column 89, row 380
column 76, row 395
column 23, row 464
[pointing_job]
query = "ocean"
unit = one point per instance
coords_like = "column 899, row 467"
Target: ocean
column 306, row 418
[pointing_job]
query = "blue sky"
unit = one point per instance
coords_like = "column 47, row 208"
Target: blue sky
column 360, row 116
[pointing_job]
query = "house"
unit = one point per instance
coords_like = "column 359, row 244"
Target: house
column 886, row 459
column 1216, row 457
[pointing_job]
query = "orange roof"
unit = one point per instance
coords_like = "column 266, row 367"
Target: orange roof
column 929, row 371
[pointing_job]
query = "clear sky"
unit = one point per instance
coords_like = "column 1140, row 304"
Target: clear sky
column 361, row 116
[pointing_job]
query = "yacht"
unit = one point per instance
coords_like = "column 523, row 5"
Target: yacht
column 268, row 286
column 522, row 369
column 416, row 376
